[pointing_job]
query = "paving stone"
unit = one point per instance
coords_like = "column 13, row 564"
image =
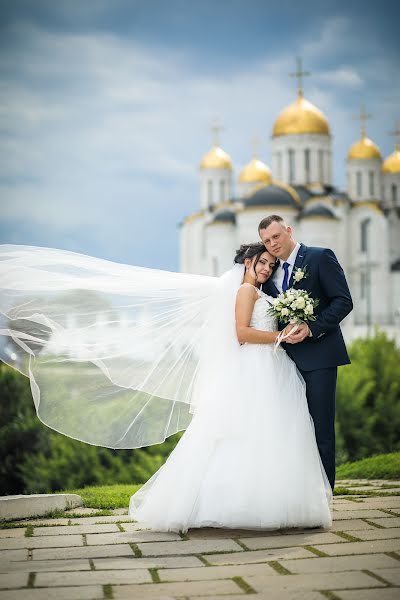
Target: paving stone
column 339, row 563
column 82, row 552
column 387, row 521
column 358, row 514
column 75, row 529
column 351, row 525
column 391, row 575
column 188, row 547
column 7, row 555
column 384, row 594
column 380, row 502
column 13, row 533
column 256, row 556
column 46, row 565
column 13, row 580
column 278, row 595
column 360, row 547
column 89, row 592
column 157, row 562
column 282, row 541
column 191, row 588
column 49, row 522
column 379, row 534
column 319, row 581
column 224, row 572
column 131, row 537
column 48, row 541
column 212, row 533
column 109, row 519
column 92, row 578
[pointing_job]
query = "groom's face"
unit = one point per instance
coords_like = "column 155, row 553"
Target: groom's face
column 277, row 239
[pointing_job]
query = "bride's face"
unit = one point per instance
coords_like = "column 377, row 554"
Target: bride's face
column 264, row 266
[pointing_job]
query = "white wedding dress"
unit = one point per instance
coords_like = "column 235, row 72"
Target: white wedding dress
column 249, row 457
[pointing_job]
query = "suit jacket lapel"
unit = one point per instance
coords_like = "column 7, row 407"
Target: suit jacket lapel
column 270, row 288
column 298, row 263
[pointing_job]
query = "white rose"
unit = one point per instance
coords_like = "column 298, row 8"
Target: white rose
column 300, row 302
column 309, row 309
column 298, row 276
column 278, row 308
column 290, row 297
column 284, row 312
column 275, row 301
column 293, row 306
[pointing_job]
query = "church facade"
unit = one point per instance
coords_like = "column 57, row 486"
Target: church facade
column 361, row 225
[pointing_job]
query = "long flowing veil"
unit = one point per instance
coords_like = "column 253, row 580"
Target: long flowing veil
column 117, row 355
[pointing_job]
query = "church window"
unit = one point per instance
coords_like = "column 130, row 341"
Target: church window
column 215, row 266
column 364, row 284
column 307, row 165
column 364, row 234
column 279, row 164
column 321, row 165
column 291, row 166
column 359, row 183
column 394, row 194
column 210, row 192
column 371, row 179
column 222, row 190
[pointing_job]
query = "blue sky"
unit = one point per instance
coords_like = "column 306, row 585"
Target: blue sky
column 106, row 106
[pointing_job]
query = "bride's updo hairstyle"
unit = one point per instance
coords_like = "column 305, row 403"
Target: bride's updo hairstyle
column 249, row 251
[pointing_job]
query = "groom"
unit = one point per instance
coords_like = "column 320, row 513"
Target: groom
column 316, row 347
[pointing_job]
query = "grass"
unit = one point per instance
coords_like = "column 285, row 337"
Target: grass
column 383, row 466
column 106, row 496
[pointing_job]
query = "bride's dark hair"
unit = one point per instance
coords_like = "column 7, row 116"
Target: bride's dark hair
column 249, row 251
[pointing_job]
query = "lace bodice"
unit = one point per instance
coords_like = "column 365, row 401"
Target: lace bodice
column 260, row 319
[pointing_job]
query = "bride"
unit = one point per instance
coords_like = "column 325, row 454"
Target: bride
column 123, row 357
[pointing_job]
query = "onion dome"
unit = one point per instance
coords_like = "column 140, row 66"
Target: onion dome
column 274, row 194
column 216, row 158
column 364, row 149
column 320, row 211
column 301, row 117
column 392, row 162
column 255, row 171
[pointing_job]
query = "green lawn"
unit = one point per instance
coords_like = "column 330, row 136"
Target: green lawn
column 384, row 466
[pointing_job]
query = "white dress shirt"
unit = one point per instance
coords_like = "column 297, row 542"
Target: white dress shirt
column 280, row 273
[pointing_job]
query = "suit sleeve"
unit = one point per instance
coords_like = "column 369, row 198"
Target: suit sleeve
column 334, row 285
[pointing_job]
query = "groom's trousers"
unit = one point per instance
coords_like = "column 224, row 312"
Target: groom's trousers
column 321, row 392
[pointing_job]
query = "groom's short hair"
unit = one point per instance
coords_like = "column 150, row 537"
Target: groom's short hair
column 266, row 222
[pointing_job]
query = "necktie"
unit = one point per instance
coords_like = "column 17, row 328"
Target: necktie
column 285, row 277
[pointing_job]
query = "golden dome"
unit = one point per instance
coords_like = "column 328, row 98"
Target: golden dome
column 301, row 117
column 364, row 149
column 255, row 171
column 216, row 158
column 392, row 163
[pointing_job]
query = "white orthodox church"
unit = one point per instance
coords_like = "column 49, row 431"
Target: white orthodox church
column 361, row 224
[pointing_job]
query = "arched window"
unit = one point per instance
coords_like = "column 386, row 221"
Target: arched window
column 359, row 183
column 222, row 190
column 210, row 192
column 321, row 165
column 371, row 180
column 307, row 165
column 291, row 165
column 279, row 164
column 364, row 237
column 394, row 194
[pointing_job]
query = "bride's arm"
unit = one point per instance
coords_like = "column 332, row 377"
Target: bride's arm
column 245, row 300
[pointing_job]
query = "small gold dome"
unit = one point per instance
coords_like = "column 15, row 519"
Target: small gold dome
column 364, row 149
column 216, row 158
column 255, row 171
column 301, row 117
column 392, row 163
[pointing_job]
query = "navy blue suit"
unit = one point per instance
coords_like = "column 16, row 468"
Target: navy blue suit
column 318, row 357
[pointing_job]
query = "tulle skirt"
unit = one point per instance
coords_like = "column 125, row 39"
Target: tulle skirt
column 248, row 459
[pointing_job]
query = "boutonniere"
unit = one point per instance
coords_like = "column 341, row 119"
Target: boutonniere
column 300, row 274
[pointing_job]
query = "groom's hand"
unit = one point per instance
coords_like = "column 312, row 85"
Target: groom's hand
column 299, row 335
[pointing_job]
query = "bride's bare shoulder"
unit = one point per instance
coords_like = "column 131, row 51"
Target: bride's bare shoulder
column 247, row 290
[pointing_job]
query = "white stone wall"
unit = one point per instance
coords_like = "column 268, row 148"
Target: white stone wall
column 281, row 145
column 360, row 169
column 210, row 183
column 391, row 198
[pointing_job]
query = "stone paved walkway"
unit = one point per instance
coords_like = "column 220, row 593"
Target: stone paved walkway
column 112, row 557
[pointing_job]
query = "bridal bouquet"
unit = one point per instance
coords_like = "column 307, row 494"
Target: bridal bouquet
column 293, row 306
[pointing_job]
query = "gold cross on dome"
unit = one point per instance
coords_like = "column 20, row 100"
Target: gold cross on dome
column 396, row 135
column 363, row 117
column 216, row 128
column 255, row 142
column 299, row 74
